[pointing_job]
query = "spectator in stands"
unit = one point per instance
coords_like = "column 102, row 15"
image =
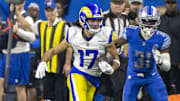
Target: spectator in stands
column 60, row 10
column 33, row 11
column 65, row 6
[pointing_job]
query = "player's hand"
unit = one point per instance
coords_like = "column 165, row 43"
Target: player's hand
column 66, row 69
column 116, row 42
column 157, row 56
column 106, row 68
column 41, row 70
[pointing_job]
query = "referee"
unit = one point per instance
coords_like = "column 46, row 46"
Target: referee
column 51, row 33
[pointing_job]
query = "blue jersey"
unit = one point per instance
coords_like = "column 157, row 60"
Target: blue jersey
column 140, row 52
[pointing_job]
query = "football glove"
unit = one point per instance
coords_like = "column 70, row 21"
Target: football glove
column 41, row 70
column 106, row 68
column 157, row 56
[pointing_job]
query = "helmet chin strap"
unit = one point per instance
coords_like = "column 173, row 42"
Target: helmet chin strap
column 147, row 32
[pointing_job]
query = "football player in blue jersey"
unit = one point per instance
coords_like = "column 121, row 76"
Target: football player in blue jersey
column 88, row 42
column 148, row 48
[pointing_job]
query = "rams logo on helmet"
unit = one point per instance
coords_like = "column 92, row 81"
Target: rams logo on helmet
column 90, row 11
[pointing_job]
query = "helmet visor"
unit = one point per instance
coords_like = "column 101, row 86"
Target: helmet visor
column 149, row 22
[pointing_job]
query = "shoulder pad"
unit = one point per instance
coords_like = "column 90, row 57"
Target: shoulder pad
column 161, row 33
column 106, row 30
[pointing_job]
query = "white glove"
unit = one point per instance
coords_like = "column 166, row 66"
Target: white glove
column 157, row 56
column 41, row 70
column 106, row 68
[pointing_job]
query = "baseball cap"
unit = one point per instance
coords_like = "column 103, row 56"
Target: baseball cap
column 138, row 1
column 118, row 1
column 50, row 4
column 33, row 5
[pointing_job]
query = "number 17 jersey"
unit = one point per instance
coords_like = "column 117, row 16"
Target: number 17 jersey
column 86, row 51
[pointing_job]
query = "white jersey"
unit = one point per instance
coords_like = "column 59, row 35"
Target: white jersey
column 86, row 52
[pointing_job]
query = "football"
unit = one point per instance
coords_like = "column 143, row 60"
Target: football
column 108, row 58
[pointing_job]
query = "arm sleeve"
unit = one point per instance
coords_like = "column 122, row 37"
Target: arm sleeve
column 28, row 36
column 29, row 20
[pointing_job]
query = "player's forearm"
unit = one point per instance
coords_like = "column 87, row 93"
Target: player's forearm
column 116, row 61
column 116, row 64
column 119, row 42
column 53, row 51
column 48, row 55
column 113, row 52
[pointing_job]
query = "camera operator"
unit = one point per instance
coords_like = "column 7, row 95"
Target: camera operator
column 135, row 6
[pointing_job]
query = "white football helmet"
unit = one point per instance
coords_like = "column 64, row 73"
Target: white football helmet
column 149, row 20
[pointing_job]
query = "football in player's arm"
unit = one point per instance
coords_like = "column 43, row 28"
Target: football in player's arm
column 148, row 48
column 88, row 42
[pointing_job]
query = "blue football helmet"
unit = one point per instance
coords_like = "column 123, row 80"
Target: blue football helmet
column 90, row 11
column 149, row 20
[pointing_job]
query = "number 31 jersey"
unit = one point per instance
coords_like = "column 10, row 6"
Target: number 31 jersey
column 140, row 52
column 86, row 51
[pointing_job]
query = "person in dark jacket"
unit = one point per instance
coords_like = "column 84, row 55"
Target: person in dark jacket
column 170, row 24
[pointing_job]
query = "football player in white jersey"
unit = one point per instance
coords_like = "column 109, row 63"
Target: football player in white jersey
column 88, row 42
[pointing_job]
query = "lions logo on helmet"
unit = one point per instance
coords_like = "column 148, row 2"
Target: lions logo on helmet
column 90, row 11
column 149, row 19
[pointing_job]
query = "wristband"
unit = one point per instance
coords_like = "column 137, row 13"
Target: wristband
column 117, row 61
